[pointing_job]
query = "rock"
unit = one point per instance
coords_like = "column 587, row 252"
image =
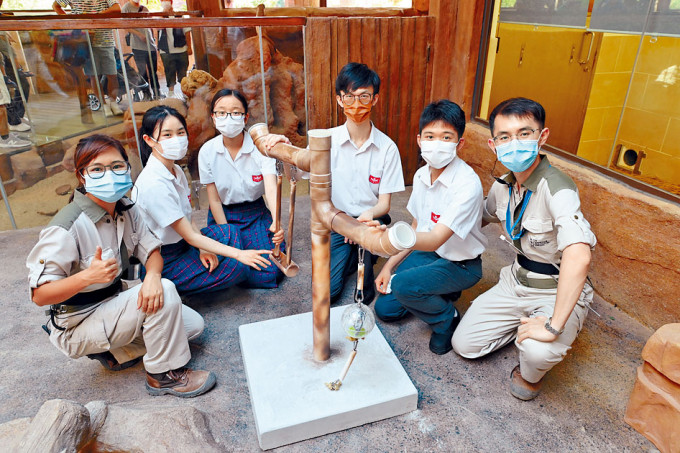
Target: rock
column 151, row 429
column 662, row 351
column 10, row 187
column 12, row 432
column 59, row 425
column 48, row 213
column 63, row 189
column 6, row 172
column 54, row 169
column 28, row 168
column 52, row 152
column 654, row 408
column 98, row 412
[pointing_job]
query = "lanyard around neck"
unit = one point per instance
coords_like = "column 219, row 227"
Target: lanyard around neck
column 509, row 228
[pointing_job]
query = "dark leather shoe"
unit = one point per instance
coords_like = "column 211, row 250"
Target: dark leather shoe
column 109, row 362
column 440, row 343
column 182, row 382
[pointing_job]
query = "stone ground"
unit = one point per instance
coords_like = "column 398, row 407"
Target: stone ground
column 463, row 405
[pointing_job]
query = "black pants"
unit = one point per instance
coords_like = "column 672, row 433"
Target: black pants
column 176, row 65
column 16, row 109
column 147, row 69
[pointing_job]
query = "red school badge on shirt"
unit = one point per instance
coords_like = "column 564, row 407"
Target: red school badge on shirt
column 434, row 217
column 257, row 178
column 373, row 179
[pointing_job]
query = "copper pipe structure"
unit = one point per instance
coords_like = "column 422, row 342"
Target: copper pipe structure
column 326, row 218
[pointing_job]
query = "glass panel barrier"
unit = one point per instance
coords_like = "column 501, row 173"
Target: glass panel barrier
column 65, row 99
column 568, row 13
column 612, row 99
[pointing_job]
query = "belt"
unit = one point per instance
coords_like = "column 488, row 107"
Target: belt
column 536, row 266
column 81, row 301
column 93, row 297
column 526, row 265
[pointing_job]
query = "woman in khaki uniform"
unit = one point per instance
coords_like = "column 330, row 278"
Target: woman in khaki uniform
column 76, row 268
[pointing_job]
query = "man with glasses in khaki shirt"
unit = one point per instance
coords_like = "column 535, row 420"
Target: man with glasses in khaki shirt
column 541, row 299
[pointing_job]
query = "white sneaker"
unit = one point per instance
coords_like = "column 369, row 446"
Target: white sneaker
column 21, row 127
column 114, row 108
column 14, row 142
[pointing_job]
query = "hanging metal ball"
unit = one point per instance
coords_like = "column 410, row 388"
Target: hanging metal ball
column 357, row 320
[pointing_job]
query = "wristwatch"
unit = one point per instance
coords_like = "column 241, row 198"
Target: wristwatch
column 551, row 329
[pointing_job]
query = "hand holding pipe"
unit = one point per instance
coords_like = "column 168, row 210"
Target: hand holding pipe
column 283, row 262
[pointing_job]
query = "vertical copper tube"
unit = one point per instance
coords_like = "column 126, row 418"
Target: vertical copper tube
column 320, row 191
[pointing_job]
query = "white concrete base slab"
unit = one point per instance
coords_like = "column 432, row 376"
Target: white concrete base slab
column 290, row 401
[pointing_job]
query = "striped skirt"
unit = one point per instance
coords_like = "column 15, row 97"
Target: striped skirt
column 182, row 265
column 252, row 220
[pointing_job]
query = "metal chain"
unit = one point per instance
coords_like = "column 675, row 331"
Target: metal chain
column 279, row 167
column 359, row 293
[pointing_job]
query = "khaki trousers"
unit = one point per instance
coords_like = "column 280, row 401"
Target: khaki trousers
column 492, row 320
column 116, row 325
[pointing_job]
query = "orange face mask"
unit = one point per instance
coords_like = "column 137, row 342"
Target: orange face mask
column 358, row 112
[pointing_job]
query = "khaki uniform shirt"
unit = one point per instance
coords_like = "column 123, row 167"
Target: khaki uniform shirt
column 552, row 219
column 68, row 244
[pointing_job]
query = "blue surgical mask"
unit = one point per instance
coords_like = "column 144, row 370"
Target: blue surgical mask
column 518, row 155
column 110, row 187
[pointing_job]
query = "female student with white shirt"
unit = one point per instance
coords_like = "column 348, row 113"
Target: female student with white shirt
column 189, row 255
column 237, row 175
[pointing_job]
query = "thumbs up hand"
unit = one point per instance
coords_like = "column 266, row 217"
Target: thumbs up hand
column 101, row 271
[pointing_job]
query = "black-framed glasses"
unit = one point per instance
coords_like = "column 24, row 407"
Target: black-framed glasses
column 524, row 134
column 234, row 115
column 364, row 98
column 118, row 167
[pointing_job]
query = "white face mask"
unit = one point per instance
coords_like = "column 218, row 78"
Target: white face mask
column 174, row 148
column 229, row 126
column 438, row 154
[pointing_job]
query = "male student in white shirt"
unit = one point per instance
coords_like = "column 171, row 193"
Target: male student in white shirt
column 446, row 204
column 366, row 171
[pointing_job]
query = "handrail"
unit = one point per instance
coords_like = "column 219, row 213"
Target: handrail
column 119, row 21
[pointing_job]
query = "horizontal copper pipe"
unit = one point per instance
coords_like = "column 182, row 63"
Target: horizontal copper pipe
column 325, row 218
column 300, row 157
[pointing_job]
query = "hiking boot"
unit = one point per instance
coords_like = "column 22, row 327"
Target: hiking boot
column 182, row 382
column 440, row 343
column 524, row 390
column 108, row 361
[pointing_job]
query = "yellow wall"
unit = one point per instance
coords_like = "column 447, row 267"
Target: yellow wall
column 615, row 60
column 651, row 117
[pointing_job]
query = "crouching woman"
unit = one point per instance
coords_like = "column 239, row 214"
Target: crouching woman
column 76, row 269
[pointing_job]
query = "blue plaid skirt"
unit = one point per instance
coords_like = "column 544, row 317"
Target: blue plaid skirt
column 252, row 220
column 182, row 265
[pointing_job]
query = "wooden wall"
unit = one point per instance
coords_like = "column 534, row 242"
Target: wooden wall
column 397, row 48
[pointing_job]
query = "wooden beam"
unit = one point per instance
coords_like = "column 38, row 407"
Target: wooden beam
column 456, row 50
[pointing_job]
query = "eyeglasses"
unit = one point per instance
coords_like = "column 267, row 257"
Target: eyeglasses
column 524, row 134
column 97, row 171
column 364, row 98
column 233, row 115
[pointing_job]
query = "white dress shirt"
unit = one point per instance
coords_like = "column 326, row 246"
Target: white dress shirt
column 164, row 198
column 455, row 200
column 237, row 180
